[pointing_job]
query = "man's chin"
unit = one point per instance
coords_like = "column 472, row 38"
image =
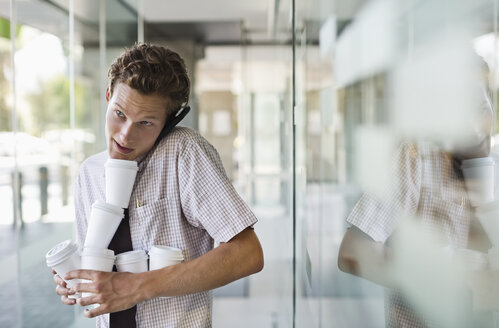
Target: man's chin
column 117, row 155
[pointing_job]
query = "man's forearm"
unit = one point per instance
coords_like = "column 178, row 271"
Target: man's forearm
column 230, row 261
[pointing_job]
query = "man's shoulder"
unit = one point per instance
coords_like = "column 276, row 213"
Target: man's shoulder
column 182, row 137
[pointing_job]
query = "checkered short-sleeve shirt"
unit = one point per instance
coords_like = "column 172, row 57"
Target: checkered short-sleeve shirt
column 186, row 201
column 428, row 185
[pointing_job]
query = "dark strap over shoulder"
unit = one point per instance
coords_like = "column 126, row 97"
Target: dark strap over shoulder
column 122, row 242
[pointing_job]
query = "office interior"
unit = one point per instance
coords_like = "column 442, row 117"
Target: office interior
column 303, row 99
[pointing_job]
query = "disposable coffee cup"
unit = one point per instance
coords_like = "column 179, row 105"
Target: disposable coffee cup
column 102, row 224
column 63, row 258
column 479, row 179
column 488, row 215
column 120, row 177
column 132, row 261
column 100, row 259
column 162, row 256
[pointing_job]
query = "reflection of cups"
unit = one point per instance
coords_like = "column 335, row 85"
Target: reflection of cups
column 494, row 258
column 120, row 177
column 100, row 259
column 102, row 224
column 470, row 260
column 132, row 261
column 488, row 215
column 161, row 256
column 479, row 179
column 63, row 258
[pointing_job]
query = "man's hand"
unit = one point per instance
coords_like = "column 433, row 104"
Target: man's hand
column 62, row 290
column 114, row 291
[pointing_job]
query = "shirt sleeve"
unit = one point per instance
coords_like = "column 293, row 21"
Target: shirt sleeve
column 208, row 198
column 378, row 217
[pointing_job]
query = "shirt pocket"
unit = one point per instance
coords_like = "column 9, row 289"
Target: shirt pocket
column 157, row 223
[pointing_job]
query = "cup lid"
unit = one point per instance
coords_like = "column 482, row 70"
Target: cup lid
column 170, row 251
column 98, row 252
column 60, row 252
column 131, row 256
column 122, row 163
column 113, row 209
column 474, row 162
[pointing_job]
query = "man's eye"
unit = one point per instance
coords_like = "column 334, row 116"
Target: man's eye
column 119, row 113
column 145, row 123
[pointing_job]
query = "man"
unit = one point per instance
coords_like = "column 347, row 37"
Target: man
column 181, row 198
column 428, row 184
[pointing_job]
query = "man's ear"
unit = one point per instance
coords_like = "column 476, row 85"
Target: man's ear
column 108, row 94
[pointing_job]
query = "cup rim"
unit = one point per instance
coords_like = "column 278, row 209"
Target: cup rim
column 98, row 252
column 108, row 207
column 122, row 163
column 131, row 256
column 60, row 252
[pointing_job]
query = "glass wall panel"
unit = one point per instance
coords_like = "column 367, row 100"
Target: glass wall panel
column 359, row 99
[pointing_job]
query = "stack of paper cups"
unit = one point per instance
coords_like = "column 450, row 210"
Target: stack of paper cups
column 100, row 259
column 162, row 256
column 120, row 177
column 479, row 179
column 63, row 258
column 102, row 224
column 132, row 261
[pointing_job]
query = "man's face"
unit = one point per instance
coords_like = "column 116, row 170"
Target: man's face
column 133, row 122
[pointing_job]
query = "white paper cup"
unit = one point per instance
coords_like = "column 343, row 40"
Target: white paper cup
column 63, row 258
column 479, row 179
column 488, row 215
column 102, row 224
column 100, row 259
column 120, row 177
column 132, row 261
column 162, row 256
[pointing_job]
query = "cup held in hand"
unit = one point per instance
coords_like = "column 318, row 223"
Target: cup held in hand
column 120, row 177
column 132, row 261
column 63, row 258
column 102, row 224
column 161, row 256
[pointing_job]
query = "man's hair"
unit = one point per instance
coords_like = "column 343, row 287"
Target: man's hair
column 152, row 70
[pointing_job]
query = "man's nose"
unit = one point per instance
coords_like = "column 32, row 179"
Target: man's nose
column 127, row 133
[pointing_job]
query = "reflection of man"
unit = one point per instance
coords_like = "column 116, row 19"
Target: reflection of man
column 428, row 184
column 181, row 198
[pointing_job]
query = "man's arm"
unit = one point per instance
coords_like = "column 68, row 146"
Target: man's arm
column 360, row 255
column 116, row 291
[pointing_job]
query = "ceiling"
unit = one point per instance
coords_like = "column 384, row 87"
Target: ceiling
column 212, row 22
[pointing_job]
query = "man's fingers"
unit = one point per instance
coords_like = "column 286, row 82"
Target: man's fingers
column 68, row 301
column 96, row 311
column 59, row 281
column 83, row 287
column 81, row 274
column 62, row 291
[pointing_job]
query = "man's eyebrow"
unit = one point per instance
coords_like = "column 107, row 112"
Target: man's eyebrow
column 150, row 117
